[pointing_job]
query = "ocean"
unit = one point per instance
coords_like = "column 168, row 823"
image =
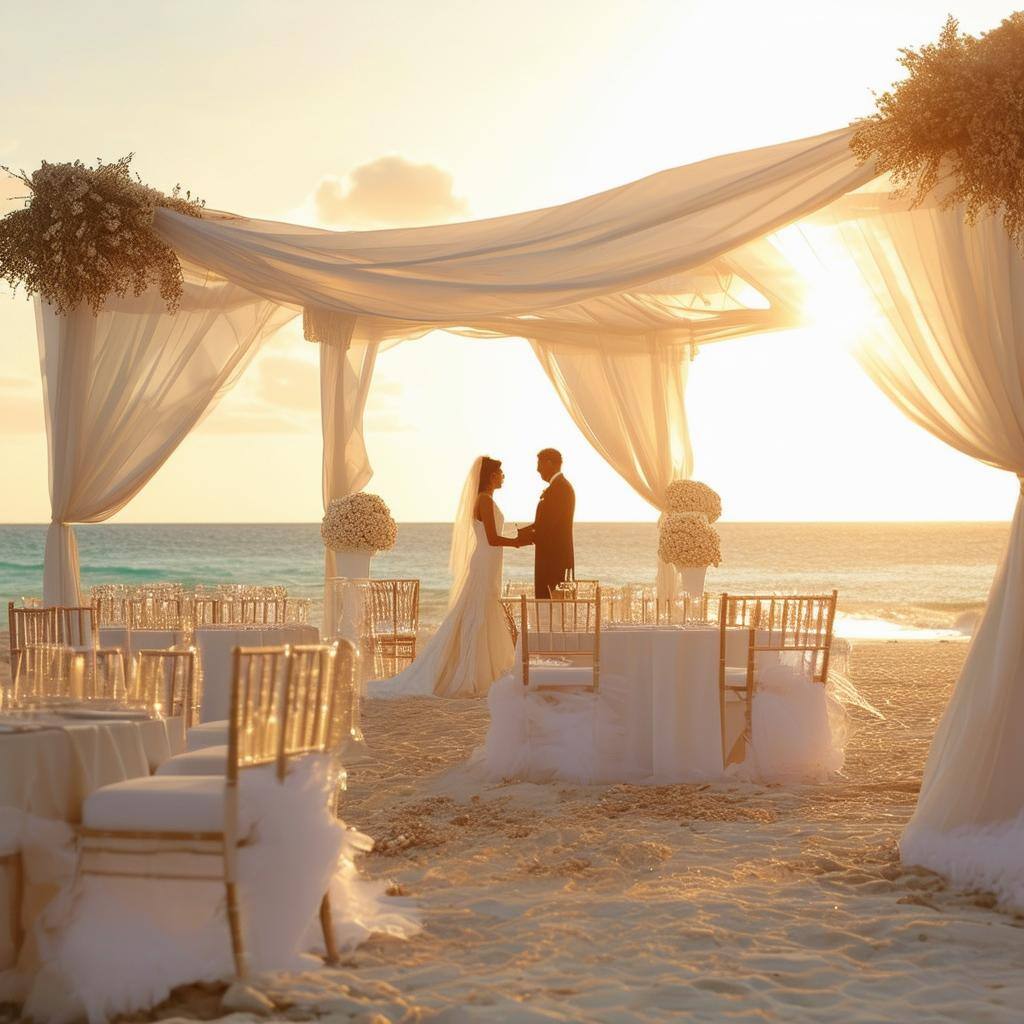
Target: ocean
column 894, row 579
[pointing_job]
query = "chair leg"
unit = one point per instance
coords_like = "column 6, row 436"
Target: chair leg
column 235, row 924
column 327, row 924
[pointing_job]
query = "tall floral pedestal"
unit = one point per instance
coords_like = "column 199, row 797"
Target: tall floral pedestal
column 351, row 621
column 691, row 580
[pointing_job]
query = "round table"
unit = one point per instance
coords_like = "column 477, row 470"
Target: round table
column 49, row 764
column 673, row 730
column 215, row 645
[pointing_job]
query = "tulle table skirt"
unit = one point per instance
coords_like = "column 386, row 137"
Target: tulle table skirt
column 656, row 717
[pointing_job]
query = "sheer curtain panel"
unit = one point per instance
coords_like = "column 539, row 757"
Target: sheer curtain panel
column 121, row 391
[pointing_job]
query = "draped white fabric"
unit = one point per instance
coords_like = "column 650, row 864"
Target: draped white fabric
column 497, row 273
column 123, row 389
column 346, row 371
column 950, row 354
column 630, row 407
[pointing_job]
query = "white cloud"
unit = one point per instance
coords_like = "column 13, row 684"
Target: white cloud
column 387, row 192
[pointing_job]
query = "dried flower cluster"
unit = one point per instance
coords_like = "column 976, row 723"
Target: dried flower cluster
column 688, row 541
column 693, row 496
column 360, row 522
column 961, row 110
column 86, row 233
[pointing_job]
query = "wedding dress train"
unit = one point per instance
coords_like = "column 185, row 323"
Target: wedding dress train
column 472, row 647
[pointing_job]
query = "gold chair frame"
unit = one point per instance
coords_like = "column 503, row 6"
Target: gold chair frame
column 33, row 684
column 278, row 712
column 167, row 683
column 394, row 622
column 775, row 623
column 571, row 614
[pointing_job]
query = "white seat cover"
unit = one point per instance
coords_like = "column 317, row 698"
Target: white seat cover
column 170, row 803
column 209, row 734
column 736, row 676
column 552, row 675
column 206, row 761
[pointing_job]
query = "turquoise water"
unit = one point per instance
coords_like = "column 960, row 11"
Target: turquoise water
column 920, row 575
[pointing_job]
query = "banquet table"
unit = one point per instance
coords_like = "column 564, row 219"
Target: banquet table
column 215, row 645
column 673, row 730
column 133, row 640
column 49, row 764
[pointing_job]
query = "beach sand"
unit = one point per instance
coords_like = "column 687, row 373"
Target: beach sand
column 722, row 902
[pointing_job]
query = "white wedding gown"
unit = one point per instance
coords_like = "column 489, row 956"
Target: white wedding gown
column 472, row 647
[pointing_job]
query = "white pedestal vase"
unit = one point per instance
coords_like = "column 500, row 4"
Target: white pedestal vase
column 691, row 580
column 352, row 623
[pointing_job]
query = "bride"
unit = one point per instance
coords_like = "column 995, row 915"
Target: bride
column 472, row 647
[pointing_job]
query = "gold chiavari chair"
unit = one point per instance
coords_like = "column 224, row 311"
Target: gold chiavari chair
column 76, row 626
column 279, row 712
column 29, row 627
column 775, row 625
column 561, row 630
column 55, row 674
column 394, row 618
column 206, row 611
column 166, row 683
column 309, row 666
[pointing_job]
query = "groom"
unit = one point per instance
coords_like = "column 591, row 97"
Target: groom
column 551, row 530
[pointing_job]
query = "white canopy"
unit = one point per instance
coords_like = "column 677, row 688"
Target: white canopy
column 613, row 291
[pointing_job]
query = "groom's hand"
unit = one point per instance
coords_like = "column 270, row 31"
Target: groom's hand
column 524, row 537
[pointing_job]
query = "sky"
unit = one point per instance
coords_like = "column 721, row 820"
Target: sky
column 352, row 115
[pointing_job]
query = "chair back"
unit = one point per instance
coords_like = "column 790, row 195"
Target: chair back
column 166, row 682
column 393, row 617
column 58, row 674
column 76, row 625
column 394, row 606
column 784, row 622
column 30, row 627
column 569, row 628
column 516, row 589
column 286, row 702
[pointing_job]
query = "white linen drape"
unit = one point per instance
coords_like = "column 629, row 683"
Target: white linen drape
column 631, row 407
column 514, row 275
column 950, row 354
column 122, row 390
column 346, row 371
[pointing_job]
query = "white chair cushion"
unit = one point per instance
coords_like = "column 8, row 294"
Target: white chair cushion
column 171, row 803
column 735, row 676
column 551, row 675
column 207, row 761
column 209, row 734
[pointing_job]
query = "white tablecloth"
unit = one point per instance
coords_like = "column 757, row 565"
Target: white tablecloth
column 46, row 772
column 132, row 640
column 215, row 645
column 673, row 731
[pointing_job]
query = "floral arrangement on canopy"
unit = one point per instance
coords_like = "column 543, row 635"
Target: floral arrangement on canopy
column 86, row 233
column 687, row 539
column 359, row 522
column 960, row 112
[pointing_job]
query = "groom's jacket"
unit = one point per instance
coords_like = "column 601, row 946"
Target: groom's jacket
column 552, row 533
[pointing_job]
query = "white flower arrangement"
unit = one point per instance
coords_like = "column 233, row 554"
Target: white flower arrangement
column 86, row 233
column 360, row 522
column 693, row 496
column 688, row 541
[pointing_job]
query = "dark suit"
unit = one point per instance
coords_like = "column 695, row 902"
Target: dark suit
column 552, row 534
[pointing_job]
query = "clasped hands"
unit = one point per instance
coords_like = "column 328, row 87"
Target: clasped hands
column 524, row 537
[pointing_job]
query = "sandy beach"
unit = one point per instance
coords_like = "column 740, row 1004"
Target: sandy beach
column 620, row 903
